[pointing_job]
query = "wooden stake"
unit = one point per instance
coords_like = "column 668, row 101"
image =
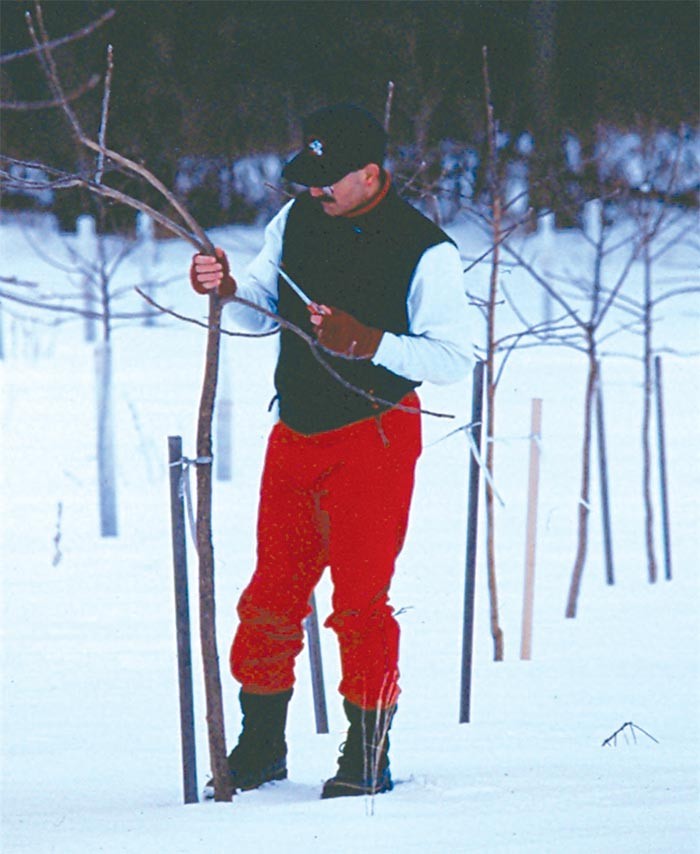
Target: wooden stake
column 106, row 467
column 531, row 529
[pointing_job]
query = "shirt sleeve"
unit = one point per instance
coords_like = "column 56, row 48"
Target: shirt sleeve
column 438, row 346
column 259, row 283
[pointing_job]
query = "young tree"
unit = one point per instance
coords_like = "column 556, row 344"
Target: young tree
column 90, row 264
column 588, row 321
column 662, row 226
column 494, row 186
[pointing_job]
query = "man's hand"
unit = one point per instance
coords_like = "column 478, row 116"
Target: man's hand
column 343, row 334
column 209, row 273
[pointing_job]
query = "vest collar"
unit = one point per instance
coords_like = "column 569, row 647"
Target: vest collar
column 375, row 201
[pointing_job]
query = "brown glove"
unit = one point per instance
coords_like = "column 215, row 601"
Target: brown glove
column 343, row 334
column 208, row 273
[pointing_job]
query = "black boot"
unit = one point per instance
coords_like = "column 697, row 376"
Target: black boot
column 261, row 753
column 363, row 766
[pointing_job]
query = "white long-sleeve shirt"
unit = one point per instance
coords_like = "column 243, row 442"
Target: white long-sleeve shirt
column 437, row 347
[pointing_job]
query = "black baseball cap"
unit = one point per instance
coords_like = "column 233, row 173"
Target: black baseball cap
column 337, row 140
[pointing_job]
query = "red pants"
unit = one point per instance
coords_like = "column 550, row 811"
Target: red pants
column 338, row 499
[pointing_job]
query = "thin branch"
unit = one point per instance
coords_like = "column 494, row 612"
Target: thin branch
column 67, row 181
column 387, row 107
column 505, row 234
column 626, row 327
column 545, row 284
column 672, row 351
column 38, row 250
column 675, row 293
column 74, row 36
column 13, row 280
column 314, row 346
column 615, row 290
column 612, row 739
column 109, row 192
column 105, row 115
column 46, row 58
column 511, row 202
column 521, row 317
column 673, row 241
column 201, row 323
column 26, row 106
column 533, row 331
column 66, row 309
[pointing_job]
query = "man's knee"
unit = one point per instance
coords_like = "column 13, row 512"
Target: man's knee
column 361, row 621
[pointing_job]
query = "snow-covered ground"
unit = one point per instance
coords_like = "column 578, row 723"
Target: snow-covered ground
column 90, row 737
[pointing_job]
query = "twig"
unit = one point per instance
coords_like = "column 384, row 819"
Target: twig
column 505, row 234
column 67, row 309
column 314, row 346
column 675, row 293
column 48, row 65
column 105, row 115
column 57, row 554
column 201, row 323
column 387, row 107
column 556, row 296
column 66, row 181
column 13, row 280
column 198, row 236
column 612, row 739
column 47, row 105
column 78, row 34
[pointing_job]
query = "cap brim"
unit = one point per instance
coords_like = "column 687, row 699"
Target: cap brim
column 310, row 171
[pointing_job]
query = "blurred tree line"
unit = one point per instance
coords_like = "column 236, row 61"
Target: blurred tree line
column 221, row 80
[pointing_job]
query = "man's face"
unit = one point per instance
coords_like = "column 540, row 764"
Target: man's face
column 350, row 192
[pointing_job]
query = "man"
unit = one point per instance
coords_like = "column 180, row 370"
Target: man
column 381, row 290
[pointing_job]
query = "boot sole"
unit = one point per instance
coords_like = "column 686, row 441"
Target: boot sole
column 345, row 789
column 208, row 790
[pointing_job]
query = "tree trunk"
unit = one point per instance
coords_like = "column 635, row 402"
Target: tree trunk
column 542, row 22
column 496, row 631
column 584, row 500
column 646, row 424
column 205, row 551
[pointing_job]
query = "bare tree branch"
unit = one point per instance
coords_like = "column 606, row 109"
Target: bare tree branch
column 64, row 309
column 198, row 236
column 66, row 181
column 47, row 105
column 316, row 349
column 104, row 117
column 74, row 36
column 545, row 284
column 13, row 280
column 675, row 293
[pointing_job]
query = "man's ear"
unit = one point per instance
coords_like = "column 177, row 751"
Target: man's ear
column 373, row 172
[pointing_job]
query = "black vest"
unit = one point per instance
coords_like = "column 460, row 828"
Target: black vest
column 364, row 266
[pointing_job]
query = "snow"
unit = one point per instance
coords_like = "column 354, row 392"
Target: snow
column 90, row 738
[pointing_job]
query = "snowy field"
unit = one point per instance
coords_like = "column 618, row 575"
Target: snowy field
column 90, row 737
